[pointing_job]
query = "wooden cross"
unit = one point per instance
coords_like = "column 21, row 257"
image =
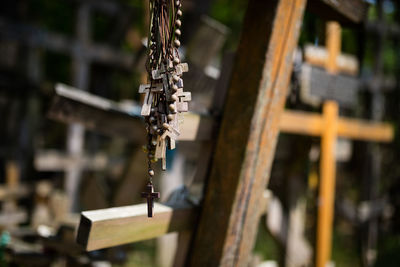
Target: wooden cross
column 328, row 74
column 179, row 70
column 172, row 134
column 329, row 127
column 183, row 99
column 149, row 90
column 150, row 195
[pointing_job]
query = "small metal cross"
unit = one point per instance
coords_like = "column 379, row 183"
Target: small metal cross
column 150, row 195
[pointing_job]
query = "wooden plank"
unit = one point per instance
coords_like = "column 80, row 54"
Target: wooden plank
column 326, row 201
column 130, row 224
column 307, row 123
column 345, row 11
column 75, row 106
column 122, row 225
column 246, row 144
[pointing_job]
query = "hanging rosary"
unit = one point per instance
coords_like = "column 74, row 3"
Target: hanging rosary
column 164, row 97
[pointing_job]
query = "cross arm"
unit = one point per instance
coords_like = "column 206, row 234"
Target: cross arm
column 122, row 225
column 155, row 194
column 307, row 123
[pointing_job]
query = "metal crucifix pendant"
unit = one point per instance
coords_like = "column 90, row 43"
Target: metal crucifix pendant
column 150, row 195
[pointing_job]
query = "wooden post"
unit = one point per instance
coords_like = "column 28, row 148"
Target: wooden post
column 249, row 130
column 326, row 199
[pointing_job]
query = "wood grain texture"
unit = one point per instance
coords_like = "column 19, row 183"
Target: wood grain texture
column 246, row 143
column 122, row 225
column 326, row 200
column 348, row 12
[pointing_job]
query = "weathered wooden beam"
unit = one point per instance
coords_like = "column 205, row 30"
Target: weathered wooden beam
column 345, row 11
column 246, row 144
column 111, row 118
column 122, row 225
column 105, row 228
column 307, row 123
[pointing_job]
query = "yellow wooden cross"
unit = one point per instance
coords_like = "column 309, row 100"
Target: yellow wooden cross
column 329, row 127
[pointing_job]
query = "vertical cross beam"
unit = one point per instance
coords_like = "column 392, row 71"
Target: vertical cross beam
column 333, row 45
column 246, row 144
column 327, row 182
column 76, row 132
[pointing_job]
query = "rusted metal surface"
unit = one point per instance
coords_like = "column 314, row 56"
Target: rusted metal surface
column 248, row 134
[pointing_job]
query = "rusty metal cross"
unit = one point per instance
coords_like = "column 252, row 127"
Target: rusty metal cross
column 150, row 195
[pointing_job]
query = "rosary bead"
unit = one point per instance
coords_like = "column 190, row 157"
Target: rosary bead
column 152, row 119
column 145, row 150
column 170, row 117
column 151, row 172
column 178, row 23
column 155, row 127
column 172, row 108
column 177, row 43
column 154, row 143
column 177, row 3
column 175, row 78
column 150, row 156
column 179, row 13
column 176, row 61
column 174, row 97
column 178, row 32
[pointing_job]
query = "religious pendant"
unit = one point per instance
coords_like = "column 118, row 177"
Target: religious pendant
column 164, row 98
column 150, row 195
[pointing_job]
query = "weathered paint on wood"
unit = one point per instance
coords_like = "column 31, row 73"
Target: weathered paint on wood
column 250, row 125
column 122, row 225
